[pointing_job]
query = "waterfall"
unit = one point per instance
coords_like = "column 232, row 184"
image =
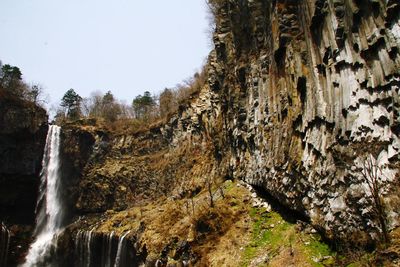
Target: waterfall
column 102, row 250
column 83, row 246
column 120, row 250
column 4, row 243
column 49, row 209
column 107, row 249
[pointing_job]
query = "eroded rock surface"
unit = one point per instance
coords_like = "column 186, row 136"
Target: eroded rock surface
column 301, row 97
column 311, row 92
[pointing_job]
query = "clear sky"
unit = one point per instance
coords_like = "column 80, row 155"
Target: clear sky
column 126, row 46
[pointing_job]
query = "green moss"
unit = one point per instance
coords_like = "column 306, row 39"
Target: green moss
column 319, row 252
column 267, row 231
column 272, row 235
column 228, row 186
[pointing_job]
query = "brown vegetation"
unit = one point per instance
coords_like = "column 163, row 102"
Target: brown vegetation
column 146, row 112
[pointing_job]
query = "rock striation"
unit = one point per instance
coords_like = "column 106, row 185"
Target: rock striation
column 302, row 100
column 309, row 94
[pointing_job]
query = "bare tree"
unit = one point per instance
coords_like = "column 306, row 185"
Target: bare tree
column 373, row 174
column 126, row 110
column 36, row 91
column 167, row 102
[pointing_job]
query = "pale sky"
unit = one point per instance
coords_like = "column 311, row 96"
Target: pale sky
column 126, row 46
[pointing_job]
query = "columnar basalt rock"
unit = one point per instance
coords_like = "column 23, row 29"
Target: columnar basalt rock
column 300, row 97
column 310, row 89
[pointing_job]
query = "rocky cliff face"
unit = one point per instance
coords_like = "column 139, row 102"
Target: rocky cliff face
column 301, row 101
column 23, row 128
column 114, row 172
column 309, row 96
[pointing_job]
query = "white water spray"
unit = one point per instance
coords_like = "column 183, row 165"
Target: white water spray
column 108, row 251
column 49, row 209
column 120, row 249
column 95, row 249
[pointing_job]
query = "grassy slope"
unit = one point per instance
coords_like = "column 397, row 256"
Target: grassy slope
column 233, row 233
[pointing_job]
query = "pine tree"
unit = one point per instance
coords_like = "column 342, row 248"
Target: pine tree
column 71, row 102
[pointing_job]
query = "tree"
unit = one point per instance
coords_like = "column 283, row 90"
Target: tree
column 11, row 79
column 373, row 177
column 167, row 102
column 35, row 94
column 143, row 105
column 102, row 106
column 110, row 108
column 71, row 102
column 92, row 105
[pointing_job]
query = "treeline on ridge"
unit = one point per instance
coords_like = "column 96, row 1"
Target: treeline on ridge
column 104, row 108
column 13, row 86
column 145, row 109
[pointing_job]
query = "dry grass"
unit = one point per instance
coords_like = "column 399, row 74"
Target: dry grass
column 215, row 234
column 232, row 233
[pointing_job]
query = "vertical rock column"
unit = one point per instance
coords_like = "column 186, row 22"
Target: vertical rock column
column 4, row 244
column 310, row 89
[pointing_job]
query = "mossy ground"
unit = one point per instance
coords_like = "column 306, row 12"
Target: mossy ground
column 277, row 242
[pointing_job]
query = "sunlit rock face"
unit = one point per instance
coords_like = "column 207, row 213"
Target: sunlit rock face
column 309, row 93
column 113, row 172
column 302, row 96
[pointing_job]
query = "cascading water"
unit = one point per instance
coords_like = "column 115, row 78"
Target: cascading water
column 93, row 249
column 4, row 243
column 49, row 209
column 107, row 249
column 120, row 250
column 83, row 247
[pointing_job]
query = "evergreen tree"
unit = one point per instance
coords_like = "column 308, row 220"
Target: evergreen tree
column 11, row 78
column 143, row 105
column 110, row 108
column 71, row 101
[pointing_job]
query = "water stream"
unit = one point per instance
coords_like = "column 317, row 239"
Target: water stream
column 120, row 250
column 93, row 249
column 49, row 209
